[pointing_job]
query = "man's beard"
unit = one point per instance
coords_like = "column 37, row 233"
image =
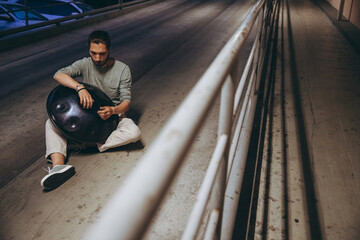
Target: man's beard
column 100, row 63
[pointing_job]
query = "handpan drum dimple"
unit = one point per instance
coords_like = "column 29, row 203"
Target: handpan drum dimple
column 75, row 122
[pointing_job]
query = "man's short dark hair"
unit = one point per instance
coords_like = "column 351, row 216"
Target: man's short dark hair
column 99, row 37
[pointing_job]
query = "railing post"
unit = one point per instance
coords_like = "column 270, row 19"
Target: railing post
column 226, row 108
column 256, row 66
column 205, row 191
column 258, row 49
column 341, row 10
column 225, row 123
column 26, row 12
column 121, row 5
column 211, row 227
column 262, row 22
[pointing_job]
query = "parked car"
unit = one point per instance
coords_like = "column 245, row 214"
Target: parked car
column 83, row 7
column 53, row 9
column 13, row 15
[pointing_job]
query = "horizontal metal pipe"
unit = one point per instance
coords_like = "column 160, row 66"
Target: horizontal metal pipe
column 211, row 226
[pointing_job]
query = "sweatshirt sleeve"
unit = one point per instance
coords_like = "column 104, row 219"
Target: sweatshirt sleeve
column 125, row 85
column 73, row 70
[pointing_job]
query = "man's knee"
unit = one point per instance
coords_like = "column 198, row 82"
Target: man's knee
column 136, row 131
column 49, row 125
column 133, row 129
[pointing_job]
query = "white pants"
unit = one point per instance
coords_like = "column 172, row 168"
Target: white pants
column 126, row 132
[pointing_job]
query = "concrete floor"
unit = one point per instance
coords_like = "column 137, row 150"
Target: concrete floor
column 309, row 185
column 312, row 150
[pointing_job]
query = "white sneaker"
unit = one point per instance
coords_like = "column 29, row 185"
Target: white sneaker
column 57, row 176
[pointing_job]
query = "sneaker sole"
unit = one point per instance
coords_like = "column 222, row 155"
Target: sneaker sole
column 55, row 179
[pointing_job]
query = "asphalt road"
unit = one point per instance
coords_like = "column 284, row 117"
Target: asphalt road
column 167, row 46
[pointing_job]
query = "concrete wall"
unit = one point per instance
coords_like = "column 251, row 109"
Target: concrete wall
column 351, row 10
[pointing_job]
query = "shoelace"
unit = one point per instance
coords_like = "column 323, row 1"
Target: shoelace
column 48, row 170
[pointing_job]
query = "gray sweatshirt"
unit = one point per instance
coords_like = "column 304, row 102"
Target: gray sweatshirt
column 115, row 81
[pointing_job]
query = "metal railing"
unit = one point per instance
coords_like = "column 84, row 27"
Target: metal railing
column 130, row 210
column 59, row 21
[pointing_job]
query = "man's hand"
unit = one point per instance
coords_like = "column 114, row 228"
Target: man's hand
column 85, row 99
column 105, row 112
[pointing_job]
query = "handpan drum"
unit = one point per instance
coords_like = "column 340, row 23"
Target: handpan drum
column 75, row 122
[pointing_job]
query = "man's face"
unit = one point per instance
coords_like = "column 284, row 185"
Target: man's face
column 99, row 53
